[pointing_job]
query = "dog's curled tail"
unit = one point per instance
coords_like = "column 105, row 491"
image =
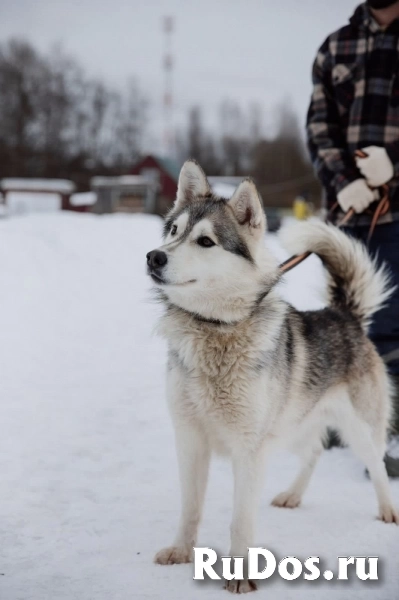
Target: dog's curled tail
column 356, row 282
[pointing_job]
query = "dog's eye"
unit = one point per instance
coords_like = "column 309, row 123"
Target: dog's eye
column 173, row 230
column 205, row 242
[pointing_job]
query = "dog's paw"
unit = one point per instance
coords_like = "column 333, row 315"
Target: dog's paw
column 287, row 500
column 388, row 514
column 174, row 555
column 240, row 586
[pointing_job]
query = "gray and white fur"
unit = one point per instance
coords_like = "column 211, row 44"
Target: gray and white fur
column 247, row 372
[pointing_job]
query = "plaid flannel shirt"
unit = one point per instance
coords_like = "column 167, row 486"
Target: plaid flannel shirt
column 354, row 104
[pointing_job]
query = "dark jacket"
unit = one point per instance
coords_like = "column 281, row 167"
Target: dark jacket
column 355, row 103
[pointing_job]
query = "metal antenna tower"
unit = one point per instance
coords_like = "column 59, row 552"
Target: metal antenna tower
column 168, row 64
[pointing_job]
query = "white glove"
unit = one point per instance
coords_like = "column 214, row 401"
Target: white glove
column 356, row 195
column 377, row 168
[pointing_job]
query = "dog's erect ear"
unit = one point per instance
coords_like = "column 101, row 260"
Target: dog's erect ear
column 246, row 206
column 192, row 183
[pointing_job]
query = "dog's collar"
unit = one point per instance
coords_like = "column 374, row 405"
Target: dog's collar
column 212, row 321
column 200, row 318
column 218, row 322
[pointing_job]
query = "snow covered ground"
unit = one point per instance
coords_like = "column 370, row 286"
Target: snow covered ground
column 89, row 488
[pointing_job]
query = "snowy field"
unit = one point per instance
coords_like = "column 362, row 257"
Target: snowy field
column 89, row 487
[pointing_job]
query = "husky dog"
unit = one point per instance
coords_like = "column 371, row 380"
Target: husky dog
column 247, row 372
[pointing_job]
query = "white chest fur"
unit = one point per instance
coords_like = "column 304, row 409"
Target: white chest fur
column 220, row 378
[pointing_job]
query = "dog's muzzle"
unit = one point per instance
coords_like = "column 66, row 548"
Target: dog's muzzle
column 156, row 260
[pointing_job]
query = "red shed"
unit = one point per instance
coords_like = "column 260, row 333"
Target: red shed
column 165, row 173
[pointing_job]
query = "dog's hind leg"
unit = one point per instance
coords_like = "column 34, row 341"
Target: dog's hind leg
column 193, row 456
column 367, row 444
column 291, row 498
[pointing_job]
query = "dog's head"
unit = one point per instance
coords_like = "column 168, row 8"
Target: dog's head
column 214, row 261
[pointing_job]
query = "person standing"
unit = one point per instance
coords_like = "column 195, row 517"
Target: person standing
column 355, row 106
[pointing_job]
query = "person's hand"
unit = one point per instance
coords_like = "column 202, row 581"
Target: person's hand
column 356, row 195
column 377, row 168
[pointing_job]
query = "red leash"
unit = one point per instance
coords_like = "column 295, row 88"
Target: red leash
column 382, row 209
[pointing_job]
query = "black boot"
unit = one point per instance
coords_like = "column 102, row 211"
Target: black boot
column 392, row 465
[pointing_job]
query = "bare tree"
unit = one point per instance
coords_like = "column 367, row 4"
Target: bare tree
column 200, row 144
column 20, row 72
column 281, row 163
column 55, row 121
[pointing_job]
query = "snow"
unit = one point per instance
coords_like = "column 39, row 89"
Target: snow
column 62, row 186
column 83, row 199
column 89, row 486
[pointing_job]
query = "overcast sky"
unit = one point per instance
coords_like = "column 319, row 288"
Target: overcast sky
column 247, row 50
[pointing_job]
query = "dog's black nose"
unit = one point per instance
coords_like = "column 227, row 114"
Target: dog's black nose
column 156, row 259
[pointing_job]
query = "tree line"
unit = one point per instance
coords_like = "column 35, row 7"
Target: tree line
column 278, row 163
column 56, row 121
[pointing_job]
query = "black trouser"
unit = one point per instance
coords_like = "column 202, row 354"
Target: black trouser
column 384, row 331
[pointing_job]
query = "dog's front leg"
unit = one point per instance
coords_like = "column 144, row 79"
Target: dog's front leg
column 248, row 478
column 193, row 456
